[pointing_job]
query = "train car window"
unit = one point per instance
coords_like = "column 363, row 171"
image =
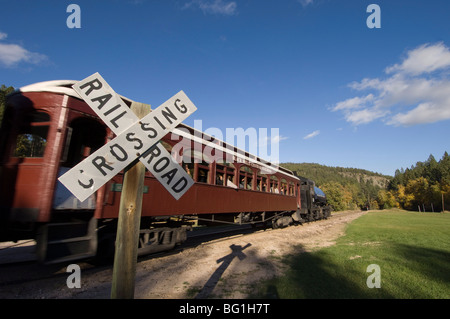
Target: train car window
column 84, row 137
column 283, row 188
column 262, row 182
column 202, row 167
column 230, row 172
column 196, row 166
column 291, row 189
column 249, row 183
column 32, row 138
column 189, row 168
column 203, row 174
column 220, row 179
column 224, row 173
column 188, row 161
column 274, row 184
column 246, row 178
column 242, row 180
column 220, row 174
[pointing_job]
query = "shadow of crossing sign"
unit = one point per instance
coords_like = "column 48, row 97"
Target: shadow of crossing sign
column 135, row 139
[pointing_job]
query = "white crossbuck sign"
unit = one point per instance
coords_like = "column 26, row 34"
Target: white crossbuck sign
column 136, row 138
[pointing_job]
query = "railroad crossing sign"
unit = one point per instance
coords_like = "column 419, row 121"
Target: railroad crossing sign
column 135, row 139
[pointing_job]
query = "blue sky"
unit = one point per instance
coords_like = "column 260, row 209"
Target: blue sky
column 340, row 93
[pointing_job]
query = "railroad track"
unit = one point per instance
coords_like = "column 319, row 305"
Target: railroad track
column 207, row 236
column 19, row 280
column 18, row 264
column 212, row 235
column 17, row 252
column 13, row 254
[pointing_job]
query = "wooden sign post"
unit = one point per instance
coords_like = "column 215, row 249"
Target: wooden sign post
column 135, row 148
column 125, row 257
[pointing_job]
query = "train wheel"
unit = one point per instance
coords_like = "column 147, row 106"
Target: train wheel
column 281, row 222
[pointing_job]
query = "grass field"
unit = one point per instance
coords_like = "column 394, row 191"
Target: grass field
column 411, row 249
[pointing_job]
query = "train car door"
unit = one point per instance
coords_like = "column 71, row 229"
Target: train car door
column 72, row 232
column 25, row 148
column 84, row 136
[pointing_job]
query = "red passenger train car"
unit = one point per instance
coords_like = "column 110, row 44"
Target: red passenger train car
column 47, row 129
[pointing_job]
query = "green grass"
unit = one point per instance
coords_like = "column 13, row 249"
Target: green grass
column 411, row 249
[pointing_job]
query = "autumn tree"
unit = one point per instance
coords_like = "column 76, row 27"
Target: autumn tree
column 335, row 195
column 424, row 185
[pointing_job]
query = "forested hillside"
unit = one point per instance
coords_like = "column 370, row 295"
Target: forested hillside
column 346, row 188
column 425, row 186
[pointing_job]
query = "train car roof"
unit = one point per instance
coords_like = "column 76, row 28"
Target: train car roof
column 58, row 86
column 65, row 87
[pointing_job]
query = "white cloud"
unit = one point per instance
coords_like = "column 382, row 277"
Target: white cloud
column 353, row 103
column 214, row 6
column 424, row 113
column 311, row 135
column 270, row 140
column 417, row 91
column 12, row 54
column 364, row 116
column 305, row 2
column 278, row 138
column 425, row 59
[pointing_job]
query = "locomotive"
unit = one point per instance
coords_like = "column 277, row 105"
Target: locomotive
column 48, row 129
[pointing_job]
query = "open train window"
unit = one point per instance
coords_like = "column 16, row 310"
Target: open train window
column 225, row 173
column 189, row 168
column 262, row 182
column 187, row 161
column 230, row 172
column 283, row 188
column 196, row 165
column 291, row 189
column 32, row 138
column 274, row 184
column 246, row 177
column 230, row 176
column 203, row 167
column 203, row 174
column 220, row 174
column 84, row 137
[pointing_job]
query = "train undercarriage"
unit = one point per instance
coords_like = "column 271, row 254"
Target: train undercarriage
column 83, row 236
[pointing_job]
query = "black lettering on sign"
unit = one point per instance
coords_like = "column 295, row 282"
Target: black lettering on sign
column 181, row 108
column 111, row 110
column 102, row 100
column 120, row 157
column 163, row 166
column 92, row 86
column 130, row 138
column 152, row 131
column 169, row 175
column 90, row 183
column 180, row 185
column 99, row 162
column 114, row 120
column 168, row 115
column 159, row 122
column 154, row 152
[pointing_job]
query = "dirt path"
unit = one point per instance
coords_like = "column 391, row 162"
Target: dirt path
column 228, row 268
